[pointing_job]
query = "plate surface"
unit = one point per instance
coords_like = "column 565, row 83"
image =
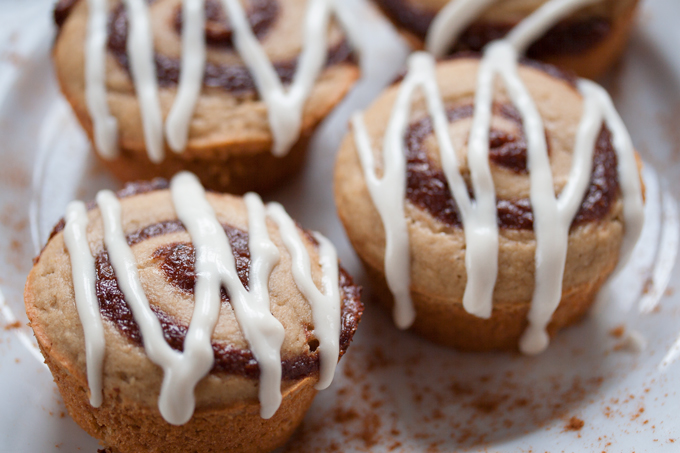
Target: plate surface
column 591, row 391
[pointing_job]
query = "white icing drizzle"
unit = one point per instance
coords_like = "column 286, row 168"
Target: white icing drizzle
column 326, row 304
column 82, row 271
column 553, row 215
column 105, row 125
column 629, row 175
column 262, row 330
column 388, row 196
column 216, row 268
column 125, row 267
column 284, row 104
column 191, row 74
column 140, row 49
column 541, row 20
column 450, row 22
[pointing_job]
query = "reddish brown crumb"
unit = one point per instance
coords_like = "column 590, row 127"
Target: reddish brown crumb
column 394, row 446
column 342, row 416
column 620, row 347
column 13, row 325
column 575, row 424
column 433, row 448
column 638, row 414
column 489, row 403
column 618, row 332
column 521, row 402
column 460, row 389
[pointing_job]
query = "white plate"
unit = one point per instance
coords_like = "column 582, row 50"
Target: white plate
column 393, row 391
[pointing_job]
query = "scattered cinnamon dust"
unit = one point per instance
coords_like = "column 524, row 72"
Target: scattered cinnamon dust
column 372, row 425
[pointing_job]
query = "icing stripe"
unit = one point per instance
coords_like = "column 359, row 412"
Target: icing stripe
column 325, row 305
column 125, row 268
column 105, row 125
column 191, row 74
column 478, row 218
column 544, row 303
column 551, row 252
column 215, row 266
column 575, row 190
column 481, row 229
column 450, row 23
column 388, row 196
column 263, row 331
column 140, row 49
column 284, row 106
column 211, row 243
column 541, row 20
column 83, row 273
column 629, row 175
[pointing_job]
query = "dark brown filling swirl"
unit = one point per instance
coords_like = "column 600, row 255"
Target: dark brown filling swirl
column 177, row 261
column 428, row 189
column 262, row 14
column 568, row 37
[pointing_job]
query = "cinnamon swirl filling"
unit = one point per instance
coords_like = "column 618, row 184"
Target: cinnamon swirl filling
column 428, row 189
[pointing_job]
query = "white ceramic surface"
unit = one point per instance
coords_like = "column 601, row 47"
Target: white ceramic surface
column 393, row 391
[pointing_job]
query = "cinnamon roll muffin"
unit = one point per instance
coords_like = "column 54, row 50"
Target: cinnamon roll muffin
column 175, row 85
column 483, row 224
column 174, row 320
column 587, row 42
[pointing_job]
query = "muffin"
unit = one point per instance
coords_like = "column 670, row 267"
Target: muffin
column 587, row 42
column 152, row 109
column 193, row 347
column 453, row 216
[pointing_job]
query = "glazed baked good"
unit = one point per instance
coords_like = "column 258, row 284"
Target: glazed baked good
column 218, row 318
column 174, row 85
column 587, row 41
column 490, row 200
